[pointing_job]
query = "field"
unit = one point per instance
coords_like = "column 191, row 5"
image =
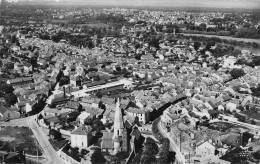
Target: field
column 18, row 139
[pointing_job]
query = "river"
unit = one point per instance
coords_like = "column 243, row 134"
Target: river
column 224, row 37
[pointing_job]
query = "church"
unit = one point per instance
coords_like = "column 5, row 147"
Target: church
column 116, row 139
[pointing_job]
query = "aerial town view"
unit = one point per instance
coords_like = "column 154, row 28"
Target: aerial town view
column 129, row 82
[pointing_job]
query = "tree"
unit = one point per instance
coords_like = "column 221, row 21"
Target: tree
column 33, row 62
column 122, row 155
column 9, row 65
column 149, row 151
column 203, row 26
column 253, row 122
column 59, row 76
column 154, row 43
column 6, row 88
column 64, row 80
column 256, row 61
column 91, row 45
column 98, row 125
column 88, row 121
column 256, row 155
column 10, row 99
column 164, row 152
column 236, row 73
column 171, row 157
column 256, row 91
column 54, row 134
column 14, row 39
column 99, row 94
column 137, row 158
column 197, row 45
column 210, row 44
column 74, row 153
column 97, row 157
column 245, row 137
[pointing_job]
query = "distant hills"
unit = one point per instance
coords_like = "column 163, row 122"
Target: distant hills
column 229, row 4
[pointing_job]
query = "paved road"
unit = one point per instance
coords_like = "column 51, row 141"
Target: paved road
column 179, row 157
column 17, row 122
column 41, row 137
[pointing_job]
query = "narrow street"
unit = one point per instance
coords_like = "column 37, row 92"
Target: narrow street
column 179, row 157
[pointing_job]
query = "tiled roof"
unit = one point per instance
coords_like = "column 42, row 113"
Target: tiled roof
column 108, row 100
column 72, row 105
column 136, row 132
column 3, row 109
column 82, row 130
column 107, row 140
column 58, row 99
column 20, row 80
column 135, row 110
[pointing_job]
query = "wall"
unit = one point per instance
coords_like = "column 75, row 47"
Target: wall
column 67, row 158
column 65, row 132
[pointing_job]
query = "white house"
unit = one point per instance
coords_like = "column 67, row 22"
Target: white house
column 30, row 106
column 18, row 66
column 27, row 68
column 231, row 106
column 205, row 149
column 135, row 112
column 168, row 118
column 81, row 137
column 229, row 62
column 82, row 117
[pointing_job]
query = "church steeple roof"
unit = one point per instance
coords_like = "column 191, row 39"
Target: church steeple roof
column 118, row 121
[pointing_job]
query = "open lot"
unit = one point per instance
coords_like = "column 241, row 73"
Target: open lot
column 18, row 139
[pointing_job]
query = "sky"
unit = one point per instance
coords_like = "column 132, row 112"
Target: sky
column 176, row 3
column 169, row 3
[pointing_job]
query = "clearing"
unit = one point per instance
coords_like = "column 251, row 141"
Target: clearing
column 19, row 139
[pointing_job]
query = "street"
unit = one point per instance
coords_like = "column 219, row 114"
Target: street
column 41, row 137
column 179, row 157
column 16, row 122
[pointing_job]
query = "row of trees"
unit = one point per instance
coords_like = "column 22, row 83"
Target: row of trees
column 256, row 91
column 102, row 17
column 252, row 63
column 219, row 40
column 247, row 31
column 164, row 152
column 150, row 151
column 6, row 90
column 219, row 51
column 81, row 40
